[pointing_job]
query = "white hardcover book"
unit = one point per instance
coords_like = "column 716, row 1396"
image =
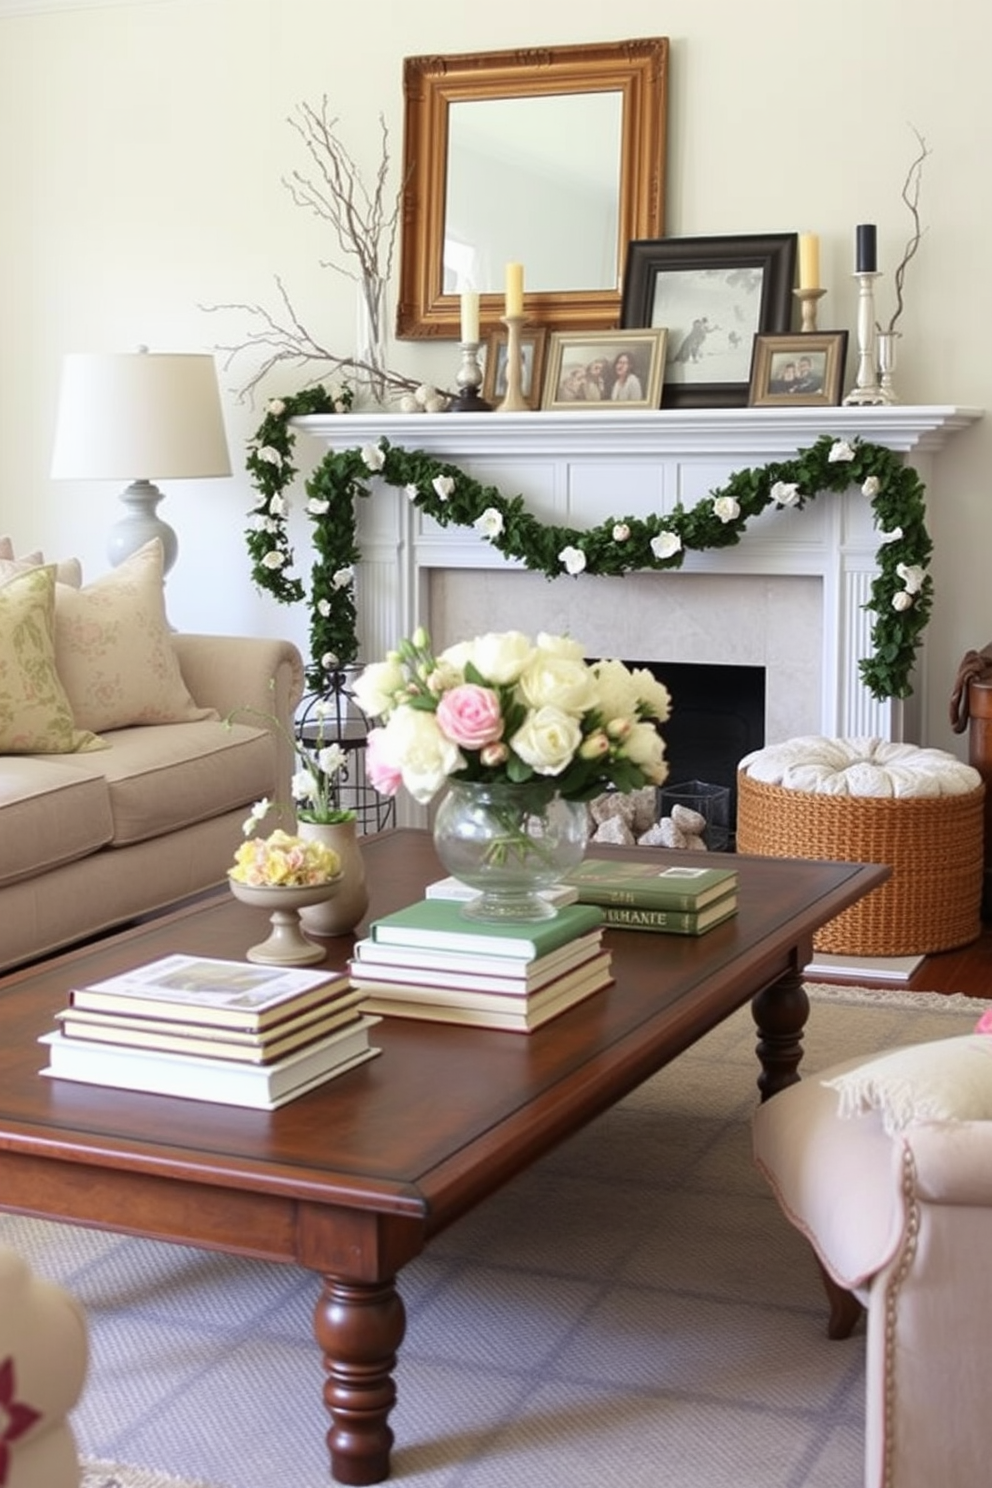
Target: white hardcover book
column 369, row 966
column 192, row 1077
column 372, row 955
column 453, row 888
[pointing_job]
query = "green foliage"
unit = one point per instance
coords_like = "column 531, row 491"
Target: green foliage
column 901, row 604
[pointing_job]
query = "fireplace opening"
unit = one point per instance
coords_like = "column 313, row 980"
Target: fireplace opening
column 718, row 716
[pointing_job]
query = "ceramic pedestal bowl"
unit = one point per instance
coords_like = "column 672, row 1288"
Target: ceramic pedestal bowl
column 286, row 945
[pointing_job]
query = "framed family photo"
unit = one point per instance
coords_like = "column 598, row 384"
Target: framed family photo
column 803, row 371
column 714, row 295
column 532, row 366
column 604, row 369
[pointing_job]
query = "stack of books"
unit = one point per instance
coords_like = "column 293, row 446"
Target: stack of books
column 642, row 896
column 231, row 1032
column 429, row 961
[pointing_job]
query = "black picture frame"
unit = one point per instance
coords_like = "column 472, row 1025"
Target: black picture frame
column 728, row 288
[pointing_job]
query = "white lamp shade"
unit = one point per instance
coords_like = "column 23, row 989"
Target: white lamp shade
column 139, row 415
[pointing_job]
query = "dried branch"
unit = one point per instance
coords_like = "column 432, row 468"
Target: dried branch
column 911, row 196
column 365, row 225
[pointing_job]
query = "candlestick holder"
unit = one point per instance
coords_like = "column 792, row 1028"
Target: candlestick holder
column 866, row 390
column 807, row 302
column 469, row 379
column 514, row 401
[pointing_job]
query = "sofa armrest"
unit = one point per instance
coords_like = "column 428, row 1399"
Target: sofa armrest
column 952, row 1161
column 254, row 673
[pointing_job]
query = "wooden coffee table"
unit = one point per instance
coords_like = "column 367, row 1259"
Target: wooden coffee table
column 354, row 1178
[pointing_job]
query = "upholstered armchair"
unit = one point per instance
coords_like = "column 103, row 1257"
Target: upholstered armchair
column 886, row 1166
column 43, row 1355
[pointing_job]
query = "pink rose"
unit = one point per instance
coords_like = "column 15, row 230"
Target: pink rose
column 469, row 716
column 383, row 774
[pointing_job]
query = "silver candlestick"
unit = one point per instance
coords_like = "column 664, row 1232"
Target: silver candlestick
column 469, row 379
column 866, row 389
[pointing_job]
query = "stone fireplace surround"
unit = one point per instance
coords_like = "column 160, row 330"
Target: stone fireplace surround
column 789, row 597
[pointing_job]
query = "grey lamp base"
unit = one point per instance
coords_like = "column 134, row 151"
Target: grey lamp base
column 140, row 525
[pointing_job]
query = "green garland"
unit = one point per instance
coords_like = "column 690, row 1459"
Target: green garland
column 901, row 594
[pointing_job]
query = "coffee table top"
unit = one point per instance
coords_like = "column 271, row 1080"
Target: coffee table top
column 447, row 1112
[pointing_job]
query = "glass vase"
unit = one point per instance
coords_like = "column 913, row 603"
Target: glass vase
column 371, row 385
column 885, row 350
column 508, row 843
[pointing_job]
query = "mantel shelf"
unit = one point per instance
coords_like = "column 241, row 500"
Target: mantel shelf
column 743, row 433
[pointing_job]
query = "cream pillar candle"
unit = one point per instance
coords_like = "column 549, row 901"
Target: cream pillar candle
column 470, row 315
column 514, row 289
column 809, row 261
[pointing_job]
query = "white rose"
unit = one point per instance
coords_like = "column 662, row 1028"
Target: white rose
column 329, row 661
column 317, row 506
column 269, row 455
column 273, row 559
column 786, row 493
column 890, row 537
column 341, row 578
column 572, row 559
column 558, row 681
column 376, row 688
column 443, row 485
column 500, row 656
column 912, row 576
column 547, row 740
column 666, row 544
column 373, row 457
column 324, row 607
column 621, row 532
column 727, row 508
column 276, row 407
column 653, row 695
column 841, row 451
column 871, row 487
column 490, row 524
column 560, row 645
column 421, row 752
column 902, row 601
column 410, row 491
column 616, row 690
column 277, row 506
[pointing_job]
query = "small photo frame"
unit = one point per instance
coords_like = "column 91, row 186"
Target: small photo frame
column 532, row 343
column 802, row 371
column 604, row 369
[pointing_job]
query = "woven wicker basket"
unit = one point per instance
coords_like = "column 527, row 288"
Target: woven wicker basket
column 933, row 844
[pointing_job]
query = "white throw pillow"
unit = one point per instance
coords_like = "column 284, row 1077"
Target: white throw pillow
column 949, row 1080
column 114, row 651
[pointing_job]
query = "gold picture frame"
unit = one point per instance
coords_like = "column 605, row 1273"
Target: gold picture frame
column 801, row 371
column 532, row 346
column 583, row 373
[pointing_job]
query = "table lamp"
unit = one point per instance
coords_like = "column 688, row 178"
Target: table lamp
column 134, row 416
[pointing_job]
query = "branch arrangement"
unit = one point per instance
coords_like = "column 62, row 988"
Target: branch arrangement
column 911, row 196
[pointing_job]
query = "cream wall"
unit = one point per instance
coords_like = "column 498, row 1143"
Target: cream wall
column 142, row 147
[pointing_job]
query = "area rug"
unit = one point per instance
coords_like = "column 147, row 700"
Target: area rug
column 633, row 1311
column 120, row 1475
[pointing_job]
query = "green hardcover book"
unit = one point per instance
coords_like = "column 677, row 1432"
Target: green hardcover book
column 670, row 921
column 647, row 885
column 438, row 924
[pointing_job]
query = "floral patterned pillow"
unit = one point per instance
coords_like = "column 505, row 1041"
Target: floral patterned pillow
column 35, row 714
column 114, row 650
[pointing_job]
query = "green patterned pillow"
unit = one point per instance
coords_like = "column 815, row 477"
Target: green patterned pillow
column 35, row 715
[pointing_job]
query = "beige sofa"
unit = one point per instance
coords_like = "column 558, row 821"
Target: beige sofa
column 122, row 789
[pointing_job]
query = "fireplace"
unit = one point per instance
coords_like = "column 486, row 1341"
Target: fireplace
column 788, row 599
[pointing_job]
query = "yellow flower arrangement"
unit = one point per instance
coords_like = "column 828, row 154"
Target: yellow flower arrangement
column 282, row 859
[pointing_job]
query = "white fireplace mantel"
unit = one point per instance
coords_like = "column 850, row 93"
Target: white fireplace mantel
column 578, row 469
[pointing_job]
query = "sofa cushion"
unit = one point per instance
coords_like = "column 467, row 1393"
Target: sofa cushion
column 162, row 778
column 51, row 814
column 114, row 652
column 35, row 712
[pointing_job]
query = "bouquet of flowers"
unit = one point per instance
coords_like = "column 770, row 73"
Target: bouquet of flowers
column 314, row 785
column 503, row 708
column 282, row 859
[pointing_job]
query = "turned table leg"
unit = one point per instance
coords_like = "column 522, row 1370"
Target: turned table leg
column 359, row 1329
column 780, row 1014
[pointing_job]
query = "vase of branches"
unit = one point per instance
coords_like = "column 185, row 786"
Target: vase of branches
column 371, row 368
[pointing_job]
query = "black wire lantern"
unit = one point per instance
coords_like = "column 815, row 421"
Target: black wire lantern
column 333, row 715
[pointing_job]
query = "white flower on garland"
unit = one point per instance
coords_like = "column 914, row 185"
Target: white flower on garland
column 324, row 607
column 443, row 485
column 841, row 451
column 727, row 508
column 572, row 559
column 621, row 532
column 274, row 559
column 902, row 600
column 411, row 491
column 270, row 455
column 666, row 545
column 342, row 577
column 912, row 575
column 785, row 493
column 317, row 506
column 373, row 456
column 276, row 407
column 871, row 487
column 278, row 507
column 329, row 661
column 885, row 538
column 490, row 523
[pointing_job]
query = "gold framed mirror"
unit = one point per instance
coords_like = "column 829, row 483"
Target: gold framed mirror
column 553, row 158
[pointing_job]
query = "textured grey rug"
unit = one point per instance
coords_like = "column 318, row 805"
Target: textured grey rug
column 632, row 1311
column 120, row 1475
